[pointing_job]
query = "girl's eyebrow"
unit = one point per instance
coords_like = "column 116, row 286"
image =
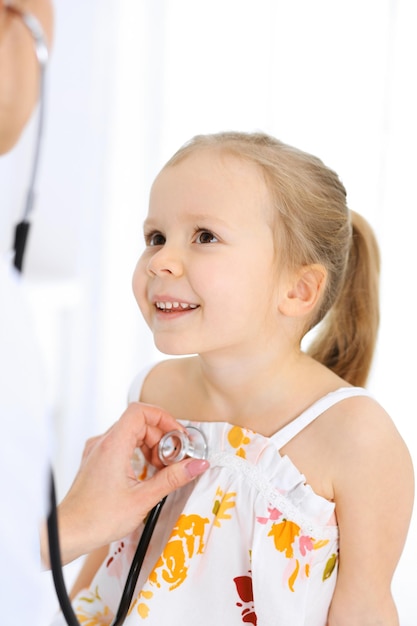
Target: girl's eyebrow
column 193, row 218
column 206, row 217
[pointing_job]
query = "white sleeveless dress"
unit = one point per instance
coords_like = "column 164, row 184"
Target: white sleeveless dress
column 249, row 542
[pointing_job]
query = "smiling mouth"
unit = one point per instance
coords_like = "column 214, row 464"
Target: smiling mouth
column 175, row 307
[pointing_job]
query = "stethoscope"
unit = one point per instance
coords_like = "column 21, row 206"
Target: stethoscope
column 173, row 446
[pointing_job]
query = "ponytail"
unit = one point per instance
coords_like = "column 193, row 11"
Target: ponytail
column 347, row 337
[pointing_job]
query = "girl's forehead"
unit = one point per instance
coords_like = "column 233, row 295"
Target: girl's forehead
column 212, row 185
column 212, row 171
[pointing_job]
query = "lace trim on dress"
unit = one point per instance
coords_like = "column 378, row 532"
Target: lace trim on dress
column 288, row 503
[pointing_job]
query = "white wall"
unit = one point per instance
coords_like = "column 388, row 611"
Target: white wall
column 129, row 82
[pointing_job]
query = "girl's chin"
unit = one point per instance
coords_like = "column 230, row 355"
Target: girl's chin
column 172, row 350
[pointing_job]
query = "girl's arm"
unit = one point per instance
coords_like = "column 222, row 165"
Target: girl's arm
column 374, row 489
column 88, row 570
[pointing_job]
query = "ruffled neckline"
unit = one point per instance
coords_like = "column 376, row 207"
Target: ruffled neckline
column 256, row 457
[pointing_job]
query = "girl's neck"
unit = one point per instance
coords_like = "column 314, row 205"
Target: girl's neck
column 260, row 392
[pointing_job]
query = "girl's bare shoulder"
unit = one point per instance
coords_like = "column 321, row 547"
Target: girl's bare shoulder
column 366, row 446
column 362, row 420
column 168, row 383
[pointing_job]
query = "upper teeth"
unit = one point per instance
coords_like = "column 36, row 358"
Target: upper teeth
column 174, row 305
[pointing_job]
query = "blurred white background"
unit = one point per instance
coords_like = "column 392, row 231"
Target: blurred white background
column 128, row 83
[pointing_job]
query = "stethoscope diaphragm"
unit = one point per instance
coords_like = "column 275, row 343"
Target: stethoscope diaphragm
column 177, row 445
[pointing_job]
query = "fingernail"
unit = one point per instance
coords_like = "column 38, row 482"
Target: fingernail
column 196, row 467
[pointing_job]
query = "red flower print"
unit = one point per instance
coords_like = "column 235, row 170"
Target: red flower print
column 245, row 591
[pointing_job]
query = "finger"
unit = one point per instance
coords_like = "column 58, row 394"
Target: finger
column 91, row 443
column 155, row 416
column 148, row 423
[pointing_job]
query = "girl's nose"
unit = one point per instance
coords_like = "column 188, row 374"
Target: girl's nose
column 166, row 261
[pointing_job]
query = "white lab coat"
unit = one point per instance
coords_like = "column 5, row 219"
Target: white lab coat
column 23, row 457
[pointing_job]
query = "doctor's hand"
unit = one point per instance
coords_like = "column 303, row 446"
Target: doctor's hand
column 106, row 501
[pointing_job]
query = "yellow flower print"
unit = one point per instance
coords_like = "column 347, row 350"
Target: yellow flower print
column 222, row 504
column 92, row 596
column 100, row 618
column 142, row 609
column 186, row 540
column 320, row 544
column 294, row 575
column 237, row 437
column 284, row 535
column 144, row 475
column 172, row 564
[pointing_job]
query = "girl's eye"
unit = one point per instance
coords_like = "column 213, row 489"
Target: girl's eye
column 205, row 236
column 154, row 239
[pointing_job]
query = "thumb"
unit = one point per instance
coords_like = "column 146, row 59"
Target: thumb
column 174, row 476
column 179, row 474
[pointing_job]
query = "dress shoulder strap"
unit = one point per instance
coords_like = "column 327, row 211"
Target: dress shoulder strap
column 288, row 432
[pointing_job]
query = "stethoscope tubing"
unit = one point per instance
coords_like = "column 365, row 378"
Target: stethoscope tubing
column 42, row 55
column 55, row 560
column 137, row 562
column 132, row 577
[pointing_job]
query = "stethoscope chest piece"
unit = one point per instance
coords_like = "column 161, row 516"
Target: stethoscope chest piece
column 176, row 445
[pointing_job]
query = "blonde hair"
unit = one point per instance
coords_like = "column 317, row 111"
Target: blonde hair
column 314, row 225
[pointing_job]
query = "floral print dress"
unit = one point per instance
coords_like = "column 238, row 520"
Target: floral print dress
column 249, row 542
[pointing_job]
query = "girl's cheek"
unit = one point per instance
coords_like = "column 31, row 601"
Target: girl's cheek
column 138, row 283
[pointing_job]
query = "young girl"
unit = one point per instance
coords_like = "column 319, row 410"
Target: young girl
column 303, row 514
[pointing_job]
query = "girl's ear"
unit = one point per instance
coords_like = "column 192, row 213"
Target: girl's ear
column 303, row 291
